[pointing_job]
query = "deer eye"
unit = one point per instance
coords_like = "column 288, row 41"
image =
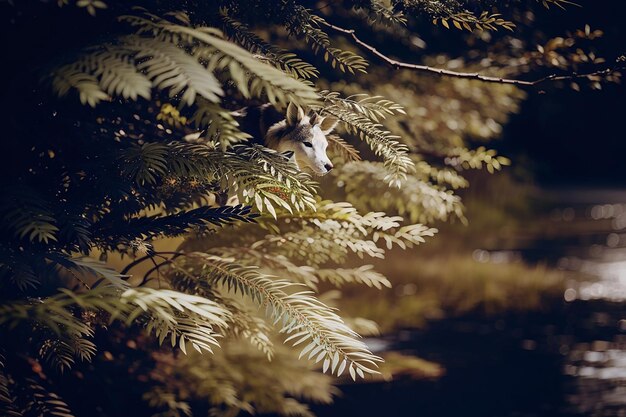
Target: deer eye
column 307, row 144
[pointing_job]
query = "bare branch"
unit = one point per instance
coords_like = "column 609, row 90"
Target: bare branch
column 469, row 75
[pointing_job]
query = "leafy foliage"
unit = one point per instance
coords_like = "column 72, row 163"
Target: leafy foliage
column 238, row 379
column 301, row 316
column 133, row 143
column 283, row 59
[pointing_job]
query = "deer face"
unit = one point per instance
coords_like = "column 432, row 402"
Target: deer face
column 305, row 136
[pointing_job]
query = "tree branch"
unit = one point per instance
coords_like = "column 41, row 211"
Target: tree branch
column 469, row 75
column 137, row 261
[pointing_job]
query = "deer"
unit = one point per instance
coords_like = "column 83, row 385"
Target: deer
column 301, row 135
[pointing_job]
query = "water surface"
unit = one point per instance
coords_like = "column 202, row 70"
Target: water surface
column 568, row 362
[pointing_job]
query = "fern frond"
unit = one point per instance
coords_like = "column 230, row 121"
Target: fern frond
column 22, row 275
column 239, row 380
column 252, row 78
column 453, row 11
column 158, row 398
column 558, row 3
column 270, row 262
column 377, row 11
column 302, row 316
column 88, row 267
column 276, row 183
column 74, row 229
column 151, row 227
column 221, row 127
column 28, row 215
column 360, row 115
column 114, row 70
column 171, row 68
column 119, row 77
column 178, row 59
column 476, row 159
column 244, row 324
column 364, row 274
column 326, row 241
column 45, row 403
column 376, row 108
column 91, row 6
column 182, row 318
column 342, row 148
column 337, row 229
column 267, row 81
column 468, row 21
column 382, row 142
column 305, row 24
column 363, row 326
column 57, row 353
column 144, row 163
column 418, row 199
column 131, row 67
column 118, row 70
column 68, row 78
column 255, row 331
column 284, row 60
column 241, row 323
column 294, row 189
column 260, row 176
column 8, row 405
column 441, row 176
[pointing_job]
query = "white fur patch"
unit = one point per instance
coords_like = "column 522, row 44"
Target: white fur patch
column 307, row 142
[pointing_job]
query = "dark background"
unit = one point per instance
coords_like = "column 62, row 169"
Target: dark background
column 575, row 138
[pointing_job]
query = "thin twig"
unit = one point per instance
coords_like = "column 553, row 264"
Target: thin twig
column 77, row 278
column 146, row 258
column 469, row 75
column 157, row 267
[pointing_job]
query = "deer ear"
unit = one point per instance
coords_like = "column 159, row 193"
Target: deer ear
column 315, row 119
column 294, row 114
column 328, row 124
